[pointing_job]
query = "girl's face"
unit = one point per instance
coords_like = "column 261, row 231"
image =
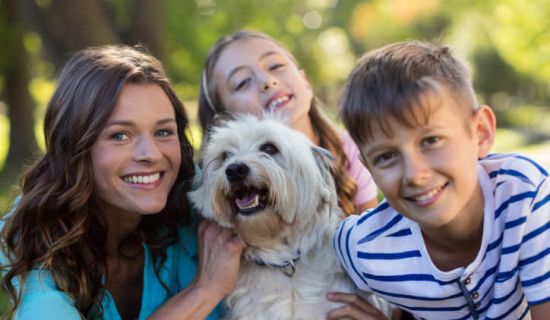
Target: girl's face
column 136, row 158
column 255, row 74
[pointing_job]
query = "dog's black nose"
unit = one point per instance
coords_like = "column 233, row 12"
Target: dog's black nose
column 236, row 172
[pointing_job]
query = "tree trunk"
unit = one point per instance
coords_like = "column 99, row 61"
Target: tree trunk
column 22, row 146
column 147, row 26
column 66, row 26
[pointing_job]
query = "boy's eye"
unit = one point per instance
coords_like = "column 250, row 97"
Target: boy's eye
column 429, row 141
column 119, row 136
column 384, row 158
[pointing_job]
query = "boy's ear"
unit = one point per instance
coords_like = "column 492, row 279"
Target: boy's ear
column 485, row 128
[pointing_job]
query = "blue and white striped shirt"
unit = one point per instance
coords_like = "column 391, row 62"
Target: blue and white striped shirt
column 384, row 252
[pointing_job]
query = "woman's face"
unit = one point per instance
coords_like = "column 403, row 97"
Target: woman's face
column 255, row 74
column 136, row 158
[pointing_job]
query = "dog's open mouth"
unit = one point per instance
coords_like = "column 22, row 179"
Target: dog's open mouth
column 250, row 200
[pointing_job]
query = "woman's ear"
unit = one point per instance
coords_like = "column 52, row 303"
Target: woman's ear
column 484, row 129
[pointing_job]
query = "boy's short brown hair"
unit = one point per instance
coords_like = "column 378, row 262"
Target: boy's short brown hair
column 392, row 81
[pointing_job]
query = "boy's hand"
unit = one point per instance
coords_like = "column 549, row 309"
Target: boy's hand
column 354, row 307
column 540, row 311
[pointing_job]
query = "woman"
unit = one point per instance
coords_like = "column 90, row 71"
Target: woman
column 103, row 227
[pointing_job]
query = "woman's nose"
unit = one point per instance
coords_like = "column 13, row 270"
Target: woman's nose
column 147, row 150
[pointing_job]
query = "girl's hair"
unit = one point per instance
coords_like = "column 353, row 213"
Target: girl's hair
column 57, row 225
column 211, row 105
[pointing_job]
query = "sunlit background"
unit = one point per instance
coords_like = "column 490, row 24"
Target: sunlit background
column 507, row 43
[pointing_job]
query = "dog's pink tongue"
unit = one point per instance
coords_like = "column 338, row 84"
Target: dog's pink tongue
column 247, row 200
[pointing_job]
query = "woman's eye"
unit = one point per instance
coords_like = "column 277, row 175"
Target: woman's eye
column 119, row 136
column 164, row 133
column 269, row 148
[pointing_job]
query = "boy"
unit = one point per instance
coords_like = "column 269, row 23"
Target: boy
column 462, row 234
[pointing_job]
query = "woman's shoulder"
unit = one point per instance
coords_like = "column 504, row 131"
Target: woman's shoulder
column 42, row 299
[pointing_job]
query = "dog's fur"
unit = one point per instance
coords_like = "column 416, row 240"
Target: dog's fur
column 289, row 264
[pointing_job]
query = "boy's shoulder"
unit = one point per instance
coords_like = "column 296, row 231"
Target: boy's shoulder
column 514, row 170
column 374, row 225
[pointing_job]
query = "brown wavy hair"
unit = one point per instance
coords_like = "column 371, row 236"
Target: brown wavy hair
column 210, row 105
column 57, row 225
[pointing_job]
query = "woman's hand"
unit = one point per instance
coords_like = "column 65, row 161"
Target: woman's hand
column 355, row 307
column 219, row 261
column 219, row 258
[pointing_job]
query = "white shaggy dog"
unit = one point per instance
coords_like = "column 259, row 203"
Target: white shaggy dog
column 275, row 189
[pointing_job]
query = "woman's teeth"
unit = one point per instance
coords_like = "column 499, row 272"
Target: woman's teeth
column 142, row 179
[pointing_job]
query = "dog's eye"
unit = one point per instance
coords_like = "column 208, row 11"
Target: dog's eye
column 269, row 148
column 224, row 155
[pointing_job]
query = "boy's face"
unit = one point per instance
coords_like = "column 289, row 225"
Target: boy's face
column 429, row 172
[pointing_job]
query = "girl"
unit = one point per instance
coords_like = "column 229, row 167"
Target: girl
column 103, row 228
column 250, row 72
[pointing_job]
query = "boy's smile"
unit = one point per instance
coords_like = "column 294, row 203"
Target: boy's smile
column 428, row 171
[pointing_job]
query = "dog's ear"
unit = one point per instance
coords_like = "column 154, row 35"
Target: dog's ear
column 325, row 162
column 220, row 119
column 217, row 121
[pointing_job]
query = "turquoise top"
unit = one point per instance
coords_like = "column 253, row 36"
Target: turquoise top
column 42, row 300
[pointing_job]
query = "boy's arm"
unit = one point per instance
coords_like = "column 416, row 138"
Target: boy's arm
column 540, row 311
column 534, row 264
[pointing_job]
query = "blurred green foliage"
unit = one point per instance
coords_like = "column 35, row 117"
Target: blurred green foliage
column 507, row 43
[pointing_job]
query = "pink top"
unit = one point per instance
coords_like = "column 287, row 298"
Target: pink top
column 366, row 188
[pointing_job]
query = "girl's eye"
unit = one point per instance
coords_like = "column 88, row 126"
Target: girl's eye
column 269, row 148
column 119, row 136
column 164, row 133
column 241, row 84
column 276, row 66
